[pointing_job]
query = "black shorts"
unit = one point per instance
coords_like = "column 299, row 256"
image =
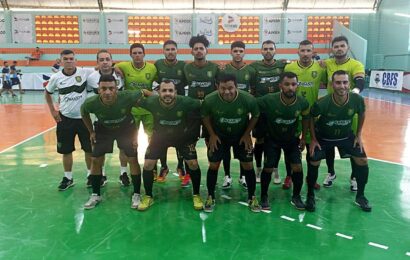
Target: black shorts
column 159, row 145
column 6, row 85
column 224, row 147
column 272, row 149
column 345, row 147
column 260, row 128
column 105, row 137
column 15, row 81
column 67, row 129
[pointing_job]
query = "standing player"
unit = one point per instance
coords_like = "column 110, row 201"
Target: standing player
column 115, row 122
column 171, row 69
column 225, row 113
column 6, row 79
column 355, row 70
column 170, row 129
column 330, row 127
column 15, row 75
column 104, row 63
column 310, row 77
column 71, row 84
column 268, row 73
column 201, row 77
column 245, row 76
column 282, row 112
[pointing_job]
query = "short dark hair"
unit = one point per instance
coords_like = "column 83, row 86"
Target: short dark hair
column 340, row 39
column 198, row 39
column 225, row 77
column 103, row 51
column 107, row 78
column 170, row 42
column 339, row 72
column 305, row 42
column 4, row 62
column 269, row 42
column 167, row 81
column 289, row 75
column 137, row 45
column 238, row 44
column 66, row 52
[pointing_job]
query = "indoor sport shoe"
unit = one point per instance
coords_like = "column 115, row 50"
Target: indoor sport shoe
column 89, row 184
column 198, row 204
column 135, row 200
column 163, row 174
column 181, row 173
column 209, row 205
column 145, row 203
column 329, row 180
column 265, row 203
column 103, row 180
column 258, row 175
column 298, row 203
column 310, row 204
column 185, row 182
column 253, row 205
column 124, row 180
column 353, row 184
column 242, row 182
column 363, row 203
column 65, row 184
column 287, row 184
column 227, row 182
column 93, row 201
column 276, row 177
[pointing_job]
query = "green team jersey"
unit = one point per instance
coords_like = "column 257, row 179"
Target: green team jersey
column 201, row 80
column 173, row 72
column 335, row 121
column 137, row 79
column 267, row 77
column 115, row 115
column 245, row 76
column 170, row 122
column 351, row 66
column 309, row 79
column 230, row 119
column 282, row 119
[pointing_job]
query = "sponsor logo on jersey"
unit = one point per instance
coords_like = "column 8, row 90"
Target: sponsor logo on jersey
column 281, row 121
column 168, row 122
column 78, row 78
column 338, row 122
column 314, row 74
column 230, row 120
column 305, row 84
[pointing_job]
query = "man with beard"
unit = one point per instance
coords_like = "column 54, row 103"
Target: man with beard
column 170, row 113
column 330, row 127
column 171, row 69
column 355, row 70
column 268, row 73
column 225, row 113
column 282, row 112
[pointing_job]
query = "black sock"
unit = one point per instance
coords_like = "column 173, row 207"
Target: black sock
column 240, row 170
column 251, row 182
column 362, row 174
column 96, row 183
column 211, row 178
column 163, row 160
column 227, row 164
column 266, row 178
column 196, row 180
column 354, row 170
column 288, row 168
column 330, row 161
column 136, row 182
column 258, row 151
column 312, row 178
column 186, row 167
column 180, row 160
column 297, row 179
column 148, row 177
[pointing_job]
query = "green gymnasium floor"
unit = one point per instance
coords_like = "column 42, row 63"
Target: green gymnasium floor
column 39, row 222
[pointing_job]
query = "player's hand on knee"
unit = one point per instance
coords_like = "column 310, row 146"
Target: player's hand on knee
column 313, row 144
column 247, row 141
column 213, row 143
column 358, row 142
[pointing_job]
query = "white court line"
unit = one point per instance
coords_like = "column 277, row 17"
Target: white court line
column 43, row 165
column 243, row 203
column 388, row 101
column 227, row 197
column 378, row 245
column 266, row 211
column 314, row 227
column 408, row 254
column 287, row 218
column 175, row 174
column 344, row 236
column 26, row 140
column 380, row 160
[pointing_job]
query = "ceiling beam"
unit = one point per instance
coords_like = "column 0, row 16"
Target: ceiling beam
column 5, row 5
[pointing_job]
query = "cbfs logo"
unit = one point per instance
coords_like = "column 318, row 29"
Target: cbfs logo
column 390, row 79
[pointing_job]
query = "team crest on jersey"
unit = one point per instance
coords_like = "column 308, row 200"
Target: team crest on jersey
column 239, row 111
column 147, row 75
column 179, row 72
column 350, row 112
column 314, row 74
column 297, row 113
column 209, row 74
column 247, row 76
column 78, row 79
column 180, row 113
column 123, row 111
